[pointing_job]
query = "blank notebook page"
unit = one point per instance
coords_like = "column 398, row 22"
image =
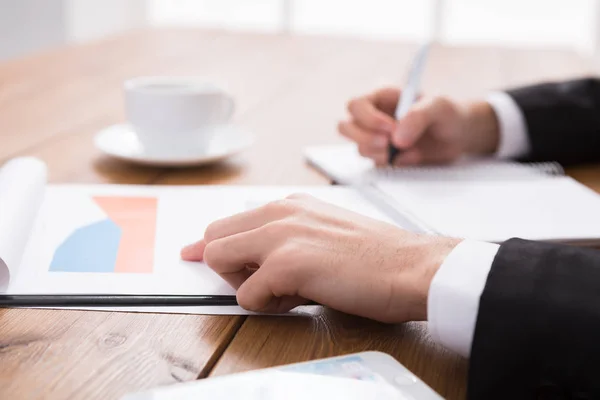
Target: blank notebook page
column 552, row 208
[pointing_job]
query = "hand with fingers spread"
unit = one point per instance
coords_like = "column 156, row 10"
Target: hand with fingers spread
column 435, row 130
column 287, row 252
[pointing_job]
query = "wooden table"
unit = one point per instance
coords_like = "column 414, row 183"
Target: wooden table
column 290, row 92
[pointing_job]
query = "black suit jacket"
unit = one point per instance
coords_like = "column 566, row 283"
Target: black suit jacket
column 563, row 120
column 537, row 334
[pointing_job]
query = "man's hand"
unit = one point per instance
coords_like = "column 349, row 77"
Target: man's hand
column 435, row 130
column 287, row 252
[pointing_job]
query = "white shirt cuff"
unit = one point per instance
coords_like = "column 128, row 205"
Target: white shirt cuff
column 454, row 294
column 514, row 140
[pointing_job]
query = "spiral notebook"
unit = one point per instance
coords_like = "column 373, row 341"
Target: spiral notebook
column 490, row 200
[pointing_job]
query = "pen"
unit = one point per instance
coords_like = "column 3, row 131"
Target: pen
column 110, row 300
column 409, row 92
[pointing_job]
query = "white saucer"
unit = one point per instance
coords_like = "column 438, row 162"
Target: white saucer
column 120, row 141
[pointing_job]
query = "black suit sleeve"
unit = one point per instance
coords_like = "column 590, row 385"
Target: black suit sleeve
column 538, row 328
column 563, row 120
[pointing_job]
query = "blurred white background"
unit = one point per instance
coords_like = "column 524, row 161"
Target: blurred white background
column 29, row 25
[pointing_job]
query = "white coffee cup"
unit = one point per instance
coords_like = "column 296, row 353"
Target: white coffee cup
column 175, row 115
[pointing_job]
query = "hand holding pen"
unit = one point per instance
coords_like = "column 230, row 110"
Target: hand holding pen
column 425, row 130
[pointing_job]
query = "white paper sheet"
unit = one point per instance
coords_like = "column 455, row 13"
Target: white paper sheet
column 557, row 209
column 22, row 182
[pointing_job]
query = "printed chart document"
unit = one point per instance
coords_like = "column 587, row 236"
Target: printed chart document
column 121, row 239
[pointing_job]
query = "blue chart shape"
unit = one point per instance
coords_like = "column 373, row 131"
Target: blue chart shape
column 92, row 248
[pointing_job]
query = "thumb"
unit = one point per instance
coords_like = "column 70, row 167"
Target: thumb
column 415, row 123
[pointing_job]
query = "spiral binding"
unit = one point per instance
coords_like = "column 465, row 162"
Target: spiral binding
column 505, row 170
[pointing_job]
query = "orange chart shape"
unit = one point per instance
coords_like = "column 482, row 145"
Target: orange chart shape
column 136, row 216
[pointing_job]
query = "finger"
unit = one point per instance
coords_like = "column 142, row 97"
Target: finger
column 368, row 117
column 194, row 251
column 418, row 119
column 380, row 160
column 380, row 157
column 231, row 254
column 255, row 294
column 386, row 99
column 409, row 157
column 237, row 278
column 368, row 139
column 248, row 220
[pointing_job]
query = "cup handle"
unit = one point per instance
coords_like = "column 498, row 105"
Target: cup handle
column 229, row 108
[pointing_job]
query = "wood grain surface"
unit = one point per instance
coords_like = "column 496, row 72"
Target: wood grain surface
column 290, row 92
